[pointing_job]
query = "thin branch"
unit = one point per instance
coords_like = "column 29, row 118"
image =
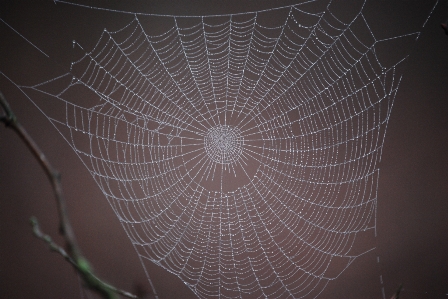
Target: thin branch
column 53, row 175
column 73, row 254
column 55, row 247
column 397, row 292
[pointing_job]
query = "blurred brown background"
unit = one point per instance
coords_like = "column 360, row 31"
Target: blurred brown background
column 412, row 214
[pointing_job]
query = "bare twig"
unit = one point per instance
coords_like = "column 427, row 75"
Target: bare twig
column 397, row 292
column 53, row 175
column 73, row 254
column 81, row 267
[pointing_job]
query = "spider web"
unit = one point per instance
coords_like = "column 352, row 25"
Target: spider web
column 240, row 152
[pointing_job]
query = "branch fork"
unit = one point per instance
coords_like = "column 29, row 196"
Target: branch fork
column 73, row 253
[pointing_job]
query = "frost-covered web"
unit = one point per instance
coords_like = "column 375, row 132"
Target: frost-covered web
column 240, row 152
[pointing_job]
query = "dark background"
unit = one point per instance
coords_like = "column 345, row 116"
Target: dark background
column 412, row 217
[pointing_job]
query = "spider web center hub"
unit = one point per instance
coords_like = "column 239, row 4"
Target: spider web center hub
column 223, row 144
